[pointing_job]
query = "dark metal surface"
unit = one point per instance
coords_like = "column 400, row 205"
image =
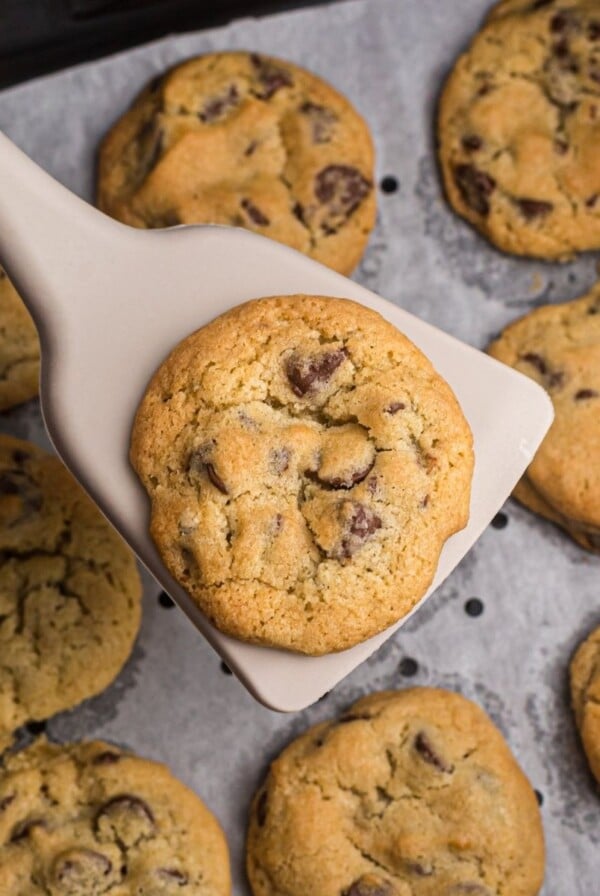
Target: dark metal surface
column 40, row 36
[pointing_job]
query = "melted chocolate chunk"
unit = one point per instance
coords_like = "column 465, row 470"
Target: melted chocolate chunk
column 360, row 525
column 341, row 482
column 108, row 757
column 585, row 394
column 20, row 457
column 23, row 828
column 536, row 361
column 279, row 460
column 172, row 875
column 592, row 200
column 271, row 77
column 534, row 208
column 342, row 188
column 539, row 4
column 216, row 479
column 472, row 142
column 475, row 187
column 79, row 868
column 322, row 121
column 308, row 374
column 254, row 213
column 370, row 885
column 425, row 749
column 261, row 809
column 394, row 407
column 127, row 818
column 559, row 23
column 216, row 106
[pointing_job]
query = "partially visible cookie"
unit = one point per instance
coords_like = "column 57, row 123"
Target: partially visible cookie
column 408, row 793
column 305, row 464
column 19, row 348
column 88, row 819
column 559, row 347
column 250, row 141
column 519, row 128
column 585, row 697
column 69, row 590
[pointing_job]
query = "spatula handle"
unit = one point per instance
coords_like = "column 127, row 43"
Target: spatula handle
column 47, row 235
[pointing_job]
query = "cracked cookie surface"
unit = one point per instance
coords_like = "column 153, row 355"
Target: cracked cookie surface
column 519, row 128
column 305, row 464
column 585, row 697
column 19, row 349
column 558, row 346
column 69, row 590
column 90, row 819
column 408, row 793
column 249, row 141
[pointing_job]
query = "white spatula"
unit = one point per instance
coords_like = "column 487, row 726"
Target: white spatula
column 110, row 302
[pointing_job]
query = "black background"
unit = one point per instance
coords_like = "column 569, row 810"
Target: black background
column 39, row 36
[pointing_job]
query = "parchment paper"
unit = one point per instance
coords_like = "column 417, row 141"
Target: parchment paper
column 540, row 591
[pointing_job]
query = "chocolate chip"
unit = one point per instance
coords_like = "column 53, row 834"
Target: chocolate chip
column 558, row 23
column 125, row 818
column 370, row 885
column 80, row 868
column 20, row 457
column 584, row 394
column 279, row 460
column 270, row 76
column 6, row 801
column 594, row 73
column 536, row 361
column 534, row 208
column 555, row 379
column 341, row 188
column 475, row 187
column 418, row 868
column 561, row 147
column 394, row 407
column 254, row 213
column 216, row 106
column 107, row 757
column 172, row 875
column 594, row 31
column 351, row 478
column 306, row 374
column 541, row 3
column 592, row 200
column 322, row 121
column 472, row 142
column 160, row 221
column 561, row 50
column 425, row 749
column 360, row 523
column 261, row 809
column 215, row 478
column 23, row 828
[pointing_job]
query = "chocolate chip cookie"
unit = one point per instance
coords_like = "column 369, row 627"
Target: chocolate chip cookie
column 19, row 348
column 89, row 819
column 585, row 697
column 69, row 591
column 305, row 464
column 519, row 128
column 409, row 793
column 559, row 347
column 250, row 141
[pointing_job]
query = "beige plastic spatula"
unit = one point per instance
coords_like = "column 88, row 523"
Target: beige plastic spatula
column 110, row 303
